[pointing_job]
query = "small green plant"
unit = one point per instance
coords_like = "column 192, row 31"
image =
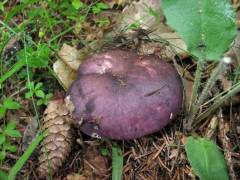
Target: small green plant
column 8, row 104
column 197, row 27
column 37, row 90
column 6, row 132
column 99, row 7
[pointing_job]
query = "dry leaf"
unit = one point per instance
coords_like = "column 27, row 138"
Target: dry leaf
column 70, row 56
column 187, row 80
column 56, row 146
column 147, row 13
column 95, row 165
column 76, row 177
column 64, row 73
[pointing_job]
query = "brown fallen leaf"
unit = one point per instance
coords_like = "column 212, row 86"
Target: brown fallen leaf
column 76, row 177
column 95, row 165
column 70, row 56
column 187, row 80
column 64, row 73
column 147, row 14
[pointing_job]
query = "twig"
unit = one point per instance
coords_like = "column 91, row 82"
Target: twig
column 227, row 146
column 218, row 102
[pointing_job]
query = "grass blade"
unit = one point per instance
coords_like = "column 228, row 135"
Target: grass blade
column 19, row 164
column 16, row 67
column 117, row 163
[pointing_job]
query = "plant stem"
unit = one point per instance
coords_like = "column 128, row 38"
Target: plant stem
column 211, row 81
column 196, row 85
column 218, row 102
column 193, row 107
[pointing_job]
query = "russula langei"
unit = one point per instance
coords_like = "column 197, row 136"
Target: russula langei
column 122, row 95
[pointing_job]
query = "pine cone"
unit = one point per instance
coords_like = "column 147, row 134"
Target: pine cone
column 56, row 147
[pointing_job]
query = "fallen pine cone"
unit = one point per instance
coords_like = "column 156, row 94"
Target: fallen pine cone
column 56, row 147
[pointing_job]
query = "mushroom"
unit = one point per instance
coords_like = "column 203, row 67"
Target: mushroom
column 121, row 95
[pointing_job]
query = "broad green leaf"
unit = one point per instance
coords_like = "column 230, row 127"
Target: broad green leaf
column 117, row 163
column 206, row 159
column 207, row 26
column 2, row 138
column 9, row 103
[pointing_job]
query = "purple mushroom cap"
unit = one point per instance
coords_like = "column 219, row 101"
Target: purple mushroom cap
column 122, row 95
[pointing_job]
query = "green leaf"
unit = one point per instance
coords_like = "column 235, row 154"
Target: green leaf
column 13, row 133
column 2, row 111
column 117, row 163
column 49, row 95
column 77, row 4
column 35, row 58
column 40, row 94
column 1, row 7
column 206, row 159
column 10, row 147
column 2, row 155
column 2, row 138
column 28, row 95
column 38, row 85
column 104, row 151
column 9, row 103
column 30, row 85
column 207, row 26
column 10, row 126
column 39, row 102
column 99, row 7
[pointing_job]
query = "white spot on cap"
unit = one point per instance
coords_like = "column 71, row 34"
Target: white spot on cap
column 95, row 135
column 105, row 66
column 171, row 116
